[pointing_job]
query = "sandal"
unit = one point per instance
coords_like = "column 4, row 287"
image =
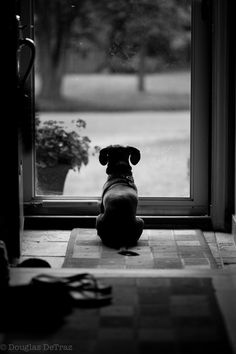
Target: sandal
column 84, row 281
column 89, row 298
column 84, row 290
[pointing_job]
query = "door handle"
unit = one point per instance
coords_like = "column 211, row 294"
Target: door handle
column 30, row 44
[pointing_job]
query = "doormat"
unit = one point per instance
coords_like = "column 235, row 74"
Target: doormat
column 156, row 249
column 151, row 315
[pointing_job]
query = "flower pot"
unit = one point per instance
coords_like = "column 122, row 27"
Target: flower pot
column 51, row 180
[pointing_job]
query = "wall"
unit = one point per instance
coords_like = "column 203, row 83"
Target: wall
column 9, row 116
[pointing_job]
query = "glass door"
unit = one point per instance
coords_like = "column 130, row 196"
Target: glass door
column 127, row 72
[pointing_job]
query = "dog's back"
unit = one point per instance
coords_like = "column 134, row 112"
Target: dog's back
column 117, row 225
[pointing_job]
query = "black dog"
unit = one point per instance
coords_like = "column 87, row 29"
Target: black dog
column 117, row 225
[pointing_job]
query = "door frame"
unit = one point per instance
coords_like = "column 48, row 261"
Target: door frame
column 209, row 206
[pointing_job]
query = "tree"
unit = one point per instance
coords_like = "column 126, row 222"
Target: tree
column 152, row 29
column 55, row 22
column 123, row 29
column 144, row 28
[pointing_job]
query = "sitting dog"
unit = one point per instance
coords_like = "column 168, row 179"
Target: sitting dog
column 117, row 225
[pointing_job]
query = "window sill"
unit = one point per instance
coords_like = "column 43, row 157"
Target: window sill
column 67, row 222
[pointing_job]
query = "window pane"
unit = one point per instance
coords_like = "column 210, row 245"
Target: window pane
column 112, row 72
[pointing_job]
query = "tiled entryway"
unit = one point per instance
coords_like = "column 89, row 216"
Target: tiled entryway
column 182, row 307
column 156, row 249
column 152, row 311
column 162, row 249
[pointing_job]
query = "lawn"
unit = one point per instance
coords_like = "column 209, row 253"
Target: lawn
column 106, row 92
column 162, row 137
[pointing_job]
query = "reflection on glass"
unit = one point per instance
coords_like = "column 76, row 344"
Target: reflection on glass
column 112, row 72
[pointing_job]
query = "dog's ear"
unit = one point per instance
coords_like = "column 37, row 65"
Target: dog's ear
column 134, row 155
column 103, row 156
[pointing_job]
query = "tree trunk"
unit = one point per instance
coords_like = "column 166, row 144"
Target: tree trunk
column 51, row 74
column 51, row 84
column 51, row 62
column 53, row 27
column 141, row 69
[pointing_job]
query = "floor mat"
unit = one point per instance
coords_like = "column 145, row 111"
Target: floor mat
column 151, row 315
column 157, row 249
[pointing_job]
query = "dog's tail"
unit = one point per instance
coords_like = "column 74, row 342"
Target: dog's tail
column 124, row 251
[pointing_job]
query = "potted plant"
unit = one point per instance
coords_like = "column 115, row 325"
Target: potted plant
column 58, row 148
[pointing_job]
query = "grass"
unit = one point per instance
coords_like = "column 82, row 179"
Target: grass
column 162, row 138
column 107, row 92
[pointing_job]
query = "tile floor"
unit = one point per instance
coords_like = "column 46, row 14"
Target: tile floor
column 168, row 311
column 170, row 249
column 157, row 249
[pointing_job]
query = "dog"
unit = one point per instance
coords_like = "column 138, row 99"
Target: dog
column 117, row 224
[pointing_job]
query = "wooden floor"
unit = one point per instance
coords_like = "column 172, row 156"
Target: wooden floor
column 51, row 245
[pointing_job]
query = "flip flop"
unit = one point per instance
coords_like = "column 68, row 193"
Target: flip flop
column 89, row 298
column 83, row 281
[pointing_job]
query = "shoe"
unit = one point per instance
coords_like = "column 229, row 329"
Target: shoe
column 84, row 289
column 84, row 281
column 89, row 298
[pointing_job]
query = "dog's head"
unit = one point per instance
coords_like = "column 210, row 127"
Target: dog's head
column 117, row 157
